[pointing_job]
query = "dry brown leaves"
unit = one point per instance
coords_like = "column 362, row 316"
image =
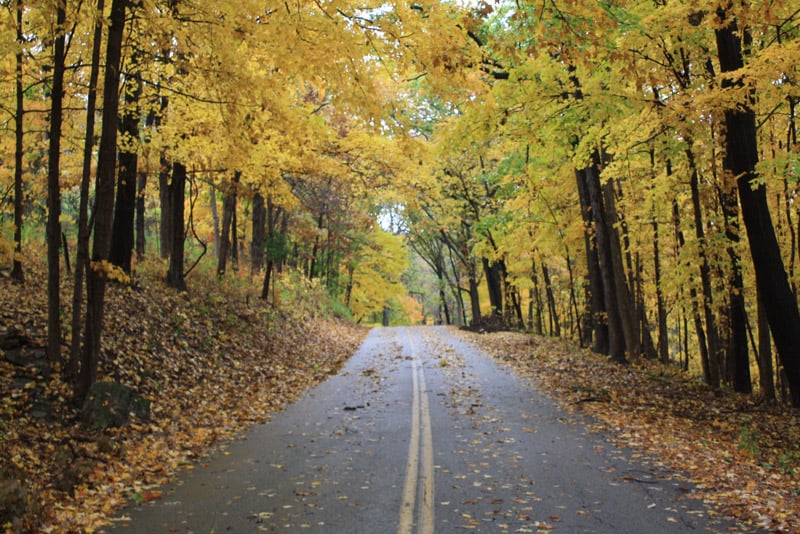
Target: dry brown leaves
column 744, row 457
column 212, row 362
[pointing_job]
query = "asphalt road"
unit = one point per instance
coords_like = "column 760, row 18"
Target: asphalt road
column 421, row 432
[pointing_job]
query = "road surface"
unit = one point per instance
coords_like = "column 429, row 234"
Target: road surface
column 420, row 433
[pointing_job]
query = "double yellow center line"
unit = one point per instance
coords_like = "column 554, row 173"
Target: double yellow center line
column 420, row 455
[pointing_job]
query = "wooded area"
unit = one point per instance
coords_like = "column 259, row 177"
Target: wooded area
column 576, row 169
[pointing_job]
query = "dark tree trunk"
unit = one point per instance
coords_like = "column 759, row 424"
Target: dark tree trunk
column 228, row 209
column 141, row 228
column 710, row 361
column 474, row 294
column 616, row 336
column 17, row 271
column 494, row 283
column 258, row 234
column 697, row 319
column 122, row 243
column 663, row 339
column 555, row 324
column 442, row 295
column 766, row 373
column 536, row 298
column 54, row 191
column 596, row 329
column 212, row 197
column 737, row 356
column 177, row 199
column 627, row 312
column 164, row 172
column 740, row 160
column 104, row 202
column 82, row 253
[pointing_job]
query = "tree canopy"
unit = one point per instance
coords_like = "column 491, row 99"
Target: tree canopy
column 619, row 172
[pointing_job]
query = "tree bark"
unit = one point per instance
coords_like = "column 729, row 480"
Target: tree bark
column 177, row 199
column 228, row 209
column 627, row 312
column 710, row 359
column 741, row 157
column 17, row 270
column 54, row 191
column 766, row 373
column 737, row 355
column 258, row 234
column 104, row 202
column 616, row 337
column 555, row 324
column 82, row 252
column 122, row 243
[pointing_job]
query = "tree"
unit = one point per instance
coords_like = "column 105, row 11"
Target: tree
column 741, row 158
column 17, row 272
column 54, row 188
column 82, row 256
column 99, row 270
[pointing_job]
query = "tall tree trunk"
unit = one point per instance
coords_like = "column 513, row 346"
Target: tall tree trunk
column 737, row 356
column 82, row 254
column 536, row 297
column 228, row 210
column 696, row 317
column 741, row 156
column 616, row 337
column 141, row 227
column 474, row 294
column 122, row 243
column 663, row 338
column 212, row 198
column 258, row 234
column 104, row 202
column 766, row 373
column 555, row 324
column 165, row 170
column 598, row 320
column 627, row 312
column 710, row 361
column 54, row 192
column 177, row 200
column 491, row 271
column 17, row 271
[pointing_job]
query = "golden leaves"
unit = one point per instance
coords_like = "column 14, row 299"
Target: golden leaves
column 210, row 364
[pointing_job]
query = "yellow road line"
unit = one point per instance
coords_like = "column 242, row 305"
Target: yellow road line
column 420, row 424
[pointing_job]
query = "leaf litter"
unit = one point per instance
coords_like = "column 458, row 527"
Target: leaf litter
column 212, row 362
column 742, row 455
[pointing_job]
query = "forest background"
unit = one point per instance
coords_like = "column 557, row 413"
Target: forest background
column 618, row 173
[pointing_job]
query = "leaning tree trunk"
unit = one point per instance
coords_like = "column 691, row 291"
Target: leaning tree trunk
column 53, row 191
column 104, row 203
column 741, row 157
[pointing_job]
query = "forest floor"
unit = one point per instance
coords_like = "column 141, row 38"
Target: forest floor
column 216, row 360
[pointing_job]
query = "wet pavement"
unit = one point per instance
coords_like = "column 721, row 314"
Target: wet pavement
column 422, row 432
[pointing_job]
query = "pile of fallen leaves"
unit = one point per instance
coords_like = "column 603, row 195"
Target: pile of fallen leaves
column 212, row 362
column 743, row 456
